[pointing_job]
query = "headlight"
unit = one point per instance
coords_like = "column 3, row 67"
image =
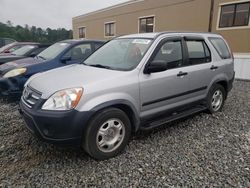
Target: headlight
column 15, row 72
column 63, row 100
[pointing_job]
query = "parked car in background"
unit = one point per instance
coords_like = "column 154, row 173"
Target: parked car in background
column 10, row 48
column 6, row 41
column 23, row 52
column 13, row 75
column 133, row 82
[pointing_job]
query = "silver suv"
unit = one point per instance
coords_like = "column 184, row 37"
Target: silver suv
column 134, row 82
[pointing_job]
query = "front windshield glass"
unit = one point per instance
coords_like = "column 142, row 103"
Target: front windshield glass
column 120, row 54
column 23, row 50
column 53, row 51
column 5, row 47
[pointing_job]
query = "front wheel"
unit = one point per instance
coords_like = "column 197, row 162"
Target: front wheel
column 107, row 134
column 216, row 98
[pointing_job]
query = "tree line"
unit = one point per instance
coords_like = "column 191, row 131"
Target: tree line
column 33, row 33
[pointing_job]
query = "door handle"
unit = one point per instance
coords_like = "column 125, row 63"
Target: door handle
column 182, row 74
column 214, row 67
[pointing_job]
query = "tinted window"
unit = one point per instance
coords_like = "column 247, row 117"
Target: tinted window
column 198, row 52
column 170, row 53
column 221, row 47
column 79, row 52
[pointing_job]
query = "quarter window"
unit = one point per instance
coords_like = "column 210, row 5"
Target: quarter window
column 110, row 29
column 198, row 52
column 221, row 47
column 146, row 25
column 235, row 15
column 82, row 32
column 171, row 54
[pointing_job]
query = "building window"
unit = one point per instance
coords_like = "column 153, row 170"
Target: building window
column 82, row 32
column 110, row 29
column 146, row 25
column 235, row 15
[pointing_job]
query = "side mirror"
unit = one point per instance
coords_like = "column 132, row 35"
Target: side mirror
column 156, row 66
column 64, row 59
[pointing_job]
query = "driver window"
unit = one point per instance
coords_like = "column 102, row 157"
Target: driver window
column 170, row 53
column 79, row 52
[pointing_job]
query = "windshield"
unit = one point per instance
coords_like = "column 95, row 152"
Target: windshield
column 5, row 47
column 23, row 50
column 53, row 51
column 120, row 54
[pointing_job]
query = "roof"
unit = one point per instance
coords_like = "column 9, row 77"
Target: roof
column 154, row 35
column 74, row 41
column 25, row 43
column 140, row 35
column 109, row 8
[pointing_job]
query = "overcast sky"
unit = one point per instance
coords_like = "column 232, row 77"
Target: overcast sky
column 49, row 13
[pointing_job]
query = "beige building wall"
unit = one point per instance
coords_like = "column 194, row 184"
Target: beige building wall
column 237, row 37
column 174, row 15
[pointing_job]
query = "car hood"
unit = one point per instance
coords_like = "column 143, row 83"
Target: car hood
column 71, row 76
column 7, row 58
column 19, row 64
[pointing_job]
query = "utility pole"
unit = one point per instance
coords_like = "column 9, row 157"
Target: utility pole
column 211, row 16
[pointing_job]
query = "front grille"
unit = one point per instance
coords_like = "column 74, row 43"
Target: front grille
column 30, row 96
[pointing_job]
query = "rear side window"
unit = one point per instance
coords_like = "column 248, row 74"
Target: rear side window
column 198, row 52
column 220, row 47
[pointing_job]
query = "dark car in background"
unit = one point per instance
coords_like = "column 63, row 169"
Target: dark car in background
column 6, row 41
column 13, row 75
column 14, row 46
column 23, row 52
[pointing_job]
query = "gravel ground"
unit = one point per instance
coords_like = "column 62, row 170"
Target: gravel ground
column 203, row 150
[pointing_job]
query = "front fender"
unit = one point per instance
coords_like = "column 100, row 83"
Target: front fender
column 110, row 100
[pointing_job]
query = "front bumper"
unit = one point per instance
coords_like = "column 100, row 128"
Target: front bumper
column 55, row 127
column 12, row 86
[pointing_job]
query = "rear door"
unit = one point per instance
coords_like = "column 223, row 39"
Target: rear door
column 199, row 67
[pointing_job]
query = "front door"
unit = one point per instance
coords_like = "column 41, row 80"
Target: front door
column 78, row 53
column 165, row 90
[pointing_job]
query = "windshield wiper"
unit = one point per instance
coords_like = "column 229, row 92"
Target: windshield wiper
column 41, row 57
column 100, row 66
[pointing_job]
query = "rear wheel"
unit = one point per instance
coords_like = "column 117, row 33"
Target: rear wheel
column 107, row 134
column 216, row 98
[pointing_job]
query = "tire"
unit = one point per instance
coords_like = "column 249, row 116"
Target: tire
column 216, row 98
column 107, row 134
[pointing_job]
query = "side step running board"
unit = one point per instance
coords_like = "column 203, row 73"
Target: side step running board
column 173, row 117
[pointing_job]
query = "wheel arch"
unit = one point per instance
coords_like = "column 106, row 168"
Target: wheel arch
column 222, row 80
column 126, row 107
